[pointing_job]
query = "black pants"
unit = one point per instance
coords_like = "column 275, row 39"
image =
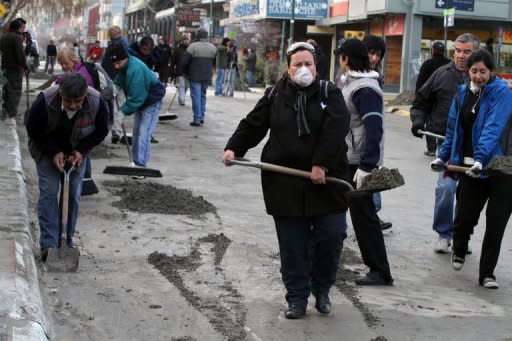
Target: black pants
column 368, row 233
column 310, row 250
column 472, row 194
column 11, row 94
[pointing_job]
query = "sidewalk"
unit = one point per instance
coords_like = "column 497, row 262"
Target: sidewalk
column 21, row 309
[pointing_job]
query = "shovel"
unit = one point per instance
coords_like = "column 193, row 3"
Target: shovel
column 499, row 166
column 63, row 259
column 383, row 179
column 428, row 133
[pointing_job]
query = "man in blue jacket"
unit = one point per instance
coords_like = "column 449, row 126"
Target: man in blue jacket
column 144, row 94
column 198, row 64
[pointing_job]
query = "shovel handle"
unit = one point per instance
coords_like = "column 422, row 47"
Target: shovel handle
column 450, row 168
column 286, row 170
column 126, row 143
column 428, row 133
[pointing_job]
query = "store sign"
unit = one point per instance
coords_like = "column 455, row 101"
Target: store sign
column 339, row 8
column 459, row 5
column 394, row 25
column 304, row 9
column 244, row 8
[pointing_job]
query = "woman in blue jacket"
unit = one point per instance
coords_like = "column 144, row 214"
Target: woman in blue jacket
column 476, row 122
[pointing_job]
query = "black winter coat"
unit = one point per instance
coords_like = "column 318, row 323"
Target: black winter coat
column 428, row 68
column 325, row 146
column 432, row 102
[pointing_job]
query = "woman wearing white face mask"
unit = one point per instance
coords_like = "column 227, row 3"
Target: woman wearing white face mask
column 307, row 120
column 476, row 123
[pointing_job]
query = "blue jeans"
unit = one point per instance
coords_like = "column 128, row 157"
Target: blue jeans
column 144, row 123
column 218, row 81
column 198, row 96
column 48, row 212
column 182, row 84
column 444, row 206
column 250, row 78
column 310, row 249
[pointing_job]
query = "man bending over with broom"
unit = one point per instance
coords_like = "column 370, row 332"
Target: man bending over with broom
column 64, row 123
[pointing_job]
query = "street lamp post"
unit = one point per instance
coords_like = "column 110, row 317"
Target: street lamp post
column 292, row 23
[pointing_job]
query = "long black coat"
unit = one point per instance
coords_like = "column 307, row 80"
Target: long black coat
column 287, row 195
column 428, row 68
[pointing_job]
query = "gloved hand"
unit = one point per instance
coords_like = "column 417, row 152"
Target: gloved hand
column 359, row 176
column 437, row 165
column 414, row 129
column 475, row 171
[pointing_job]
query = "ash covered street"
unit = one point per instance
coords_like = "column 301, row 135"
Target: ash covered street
column 194, row 256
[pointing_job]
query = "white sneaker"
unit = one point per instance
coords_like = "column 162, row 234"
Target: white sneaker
column 490, row 283
column 457, row 263
column 442, row 245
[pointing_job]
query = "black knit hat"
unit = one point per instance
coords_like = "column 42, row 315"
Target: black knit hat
column 118, row 53
column 352, row 48
column 375, row 43
column 438, row 47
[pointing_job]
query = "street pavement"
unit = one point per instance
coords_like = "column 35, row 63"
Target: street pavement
column 118, row 295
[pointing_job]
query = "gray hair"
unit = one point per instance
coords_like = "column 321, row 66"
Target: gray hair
column 73, row 85
column 469, row 38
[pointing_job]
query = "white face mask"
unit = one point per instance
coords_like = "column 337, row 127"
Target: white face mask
column 303, row 77
column 474, row 88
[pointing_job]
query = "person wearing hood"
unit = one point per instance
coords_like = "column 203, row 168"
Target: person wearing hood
column 306, row 117
column 363, row 97
column 476, row 123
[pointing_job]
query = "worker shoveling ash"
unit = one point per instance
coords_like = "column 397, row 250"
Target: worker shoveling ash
column 150, row 197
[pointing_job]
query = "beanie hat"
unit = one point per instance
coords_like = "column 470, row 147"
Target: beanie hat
column 438, row 47
column 375, row 43
column 118, row 53
column 352, row 48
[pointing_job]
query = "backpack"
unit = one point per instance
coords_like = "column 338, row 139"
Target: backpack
column 100, row 80
column 324, row 92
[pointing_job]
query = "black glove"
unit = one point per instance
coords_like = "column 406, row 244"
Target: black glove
column 415, row 128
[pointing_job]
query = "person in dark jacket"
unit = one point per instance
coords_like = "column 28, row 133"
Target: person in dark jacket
column 14, row 66
column 250, row 66
column 198, row 65
column 475, row 127
column 115, row 40
column 63, row 124
column 164, row 63
column 365, row 140
column 180, row 80
column 429, row 112
column 145, row 51
column 51, row 55
column 221, row 65
column 426, row 70
column 306, row 132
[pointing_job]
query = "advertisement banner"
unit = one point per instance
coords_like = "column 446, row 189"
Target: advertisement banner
column 304, row 9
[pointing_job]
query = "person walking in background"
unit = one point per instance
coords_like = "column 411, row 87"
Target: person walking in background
column 309, row 216
column 115, row 40
column 76, row 48
column 319, row 60
column 365, row 141
column 180, row 80
column 14, row 66
column 164, row 53
column 476, row 123
column 198, row 64
column 426, row 70
column 145, row 51
column 95, row 52
column 221, row 65
column 144, row 94
column 63, row 124
column 51, row 55
column 429, row 111
column 250, row 66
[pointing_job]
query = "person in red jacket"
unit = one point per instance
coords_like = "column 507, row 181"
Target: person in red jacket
column 95, row 52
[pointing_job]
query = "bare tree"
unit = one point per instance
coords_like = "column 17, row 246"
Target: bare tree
column 16, row 6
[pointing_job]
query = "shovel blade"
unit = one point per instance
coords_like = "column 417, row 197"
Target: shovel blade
column 63, row 259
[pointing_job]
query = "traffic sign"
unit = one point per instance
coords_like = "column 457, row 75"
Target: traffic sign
column 459, row 5
column 449, row 17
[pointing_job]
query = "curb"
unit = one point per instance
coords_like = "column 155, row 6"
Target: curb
column 21, row 311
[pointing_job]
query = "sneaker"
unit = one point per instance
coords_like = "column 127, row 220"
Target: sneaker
column 490, row 283
column 385, row 225
column 457, row 262
column 442, row 245
column 195, row 124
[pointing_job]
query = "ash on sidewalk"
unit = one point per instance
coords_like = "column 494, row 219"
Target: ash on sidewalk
column 21, row 310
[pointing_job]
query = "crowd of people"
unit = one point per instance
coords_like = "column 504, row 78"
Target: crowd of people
column 326, row 128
